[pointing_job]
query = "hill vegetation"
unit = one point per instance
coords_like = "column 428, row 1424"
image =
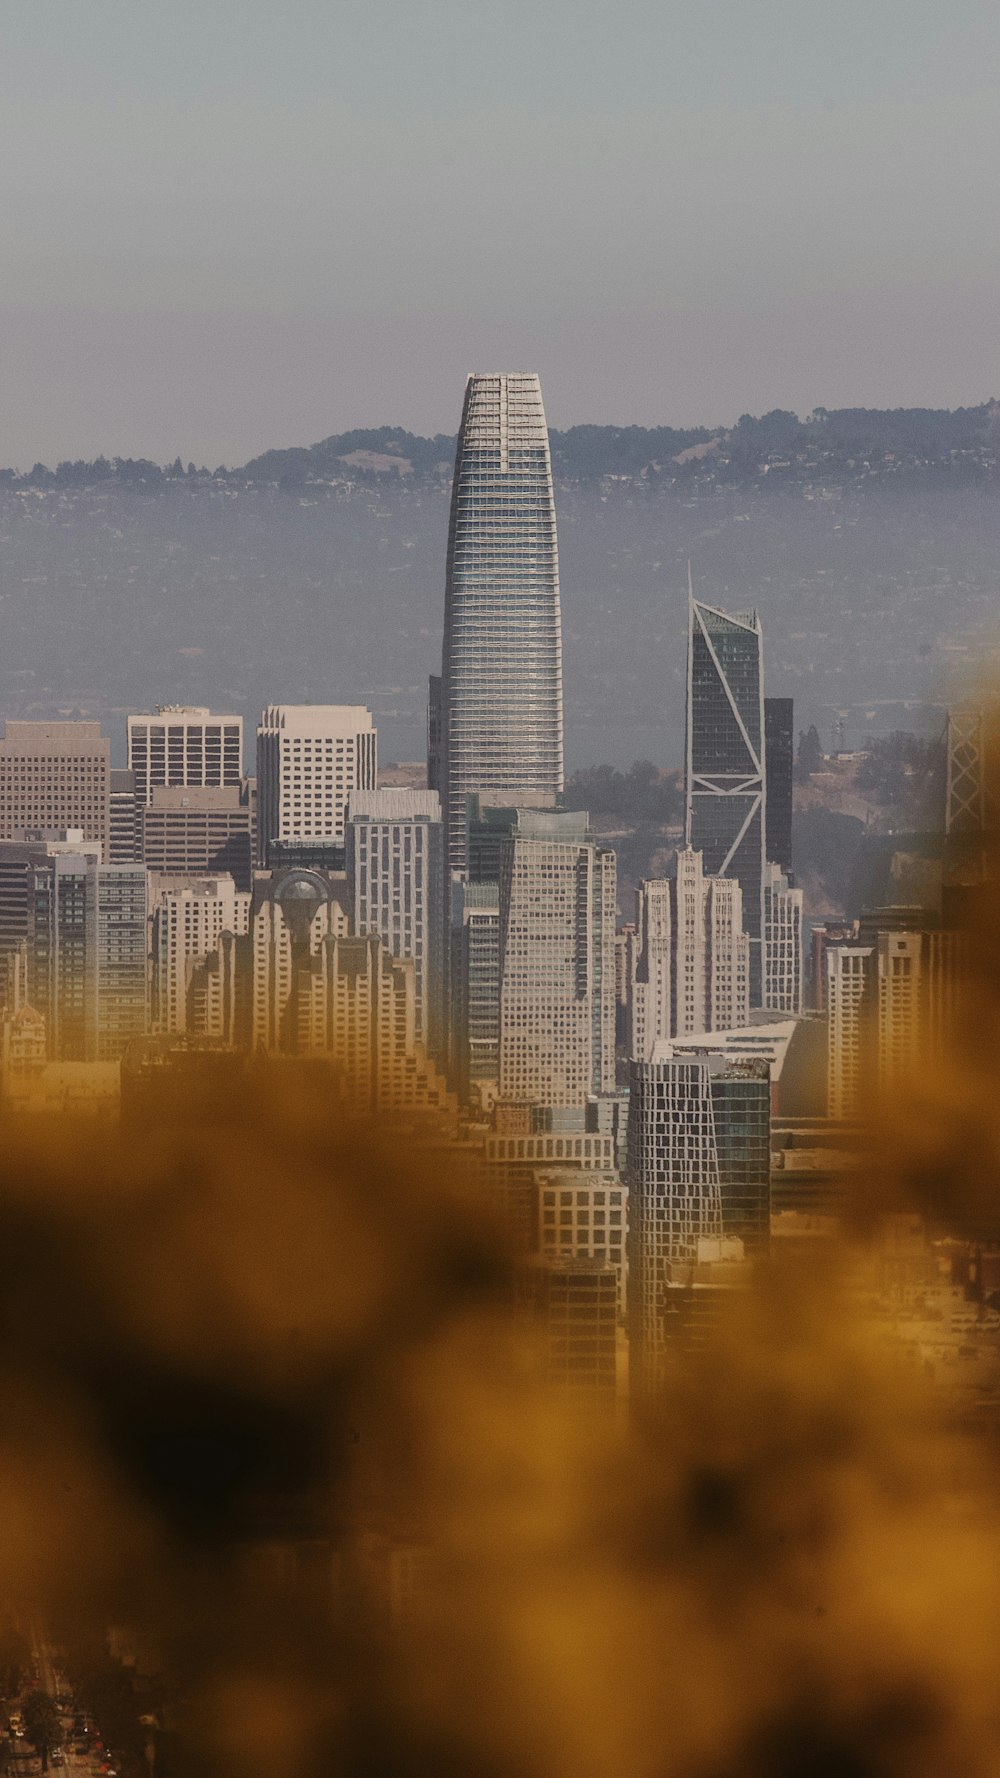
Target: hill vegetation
column 849, row 444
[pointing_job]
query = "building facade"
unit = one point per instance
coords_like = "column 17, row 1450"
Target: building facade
column 690, row 957
column 56, row 776
column 184, row 745
column 122, row 986
column 848, row 1004
column 675, row 1197
column 783, row 917
column 396, row 878
column 725, row 762
column 496, row 717
column 188, row 920
column 310, row 757
column 199, row 831
column 557, row 962
column 779, row 773
column 124, row 840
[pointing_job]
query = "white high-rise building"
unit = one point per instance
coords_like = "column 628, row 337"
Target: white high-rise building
column 557, row 962
column 184, row 745
column 848, row 975
column 782, row 942
column 649, row 967
column 729, row 955
column 188, row 920
column 496, row 718
column 310, row 757
column 690, row 957
column 396, row 876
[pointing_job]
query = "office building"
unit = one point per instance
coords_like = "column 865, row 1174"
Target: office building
column 356, row 1004
column 741, row 1109
column 848, row 1002
column 783, row 913
column 474, row 978
column 648, row 968
column 55, row 776
column 584, row 1216
column 557, row 962
column 395, row 874
column 514, row 1161
column 122, row 991
column 571, row 1309
column 125, row 841
column 689, row 959
column 310, row 757
column 292, row 911
column 189, row 918
column 184, row 745
column 779, row 770
column 675, row 1194
column 199, row 831
column 496, row 720
column 900, row 965
column 725, row 766
column 824, row 934
column 73, row 940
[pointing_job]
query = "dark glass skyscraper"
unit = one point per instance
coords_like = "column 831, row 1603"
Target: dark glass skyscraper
column 725, row 760
column 779, row 760
column 497, row 723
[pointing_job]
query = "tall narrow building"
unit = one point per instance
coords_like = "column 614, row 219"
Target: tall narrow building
column 725, row 760
column 496, row 725
column 395, row 874
column 557, row 963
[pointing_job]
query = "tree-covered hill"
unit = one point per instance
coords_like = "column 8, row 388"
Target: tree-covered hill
column 847, row 445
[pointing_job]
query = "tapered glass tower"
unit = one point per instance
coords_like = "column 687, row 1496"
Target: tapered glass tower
column 725, row 760
column 497, row 723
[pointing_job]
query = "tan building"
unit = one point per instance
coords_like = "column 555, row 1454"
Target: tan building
column 198, row 831
column 188, row 921
column 184, row 745
column 55, row 775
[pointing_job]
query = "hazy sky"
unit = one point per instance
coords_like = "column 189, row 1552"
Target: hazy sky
column 233, row 225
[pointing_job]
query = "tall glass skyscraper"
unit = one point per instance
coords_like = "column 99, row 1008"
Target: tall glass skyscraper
column 725, row 760
column 496, row 714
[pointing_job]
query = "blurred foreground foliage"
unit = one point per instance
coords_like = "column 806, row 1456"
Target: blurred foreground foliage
column 261, row 1402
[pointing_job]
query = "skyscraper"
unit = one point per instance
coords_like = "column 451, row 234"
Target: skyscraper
column 783, row 915
column 848, row 993
column 557, row 962
column 725, row 760
column 395, row 872
column 675, row 1194
column 496, row 723
column 779, row 763
column 689, row 957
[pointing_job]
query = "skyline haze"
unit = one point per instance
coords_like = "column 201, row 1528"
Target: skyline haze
column 673, row 218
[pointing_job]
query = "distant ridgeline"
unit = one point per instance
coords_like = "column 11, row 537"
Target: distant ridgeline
column 842, row 446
